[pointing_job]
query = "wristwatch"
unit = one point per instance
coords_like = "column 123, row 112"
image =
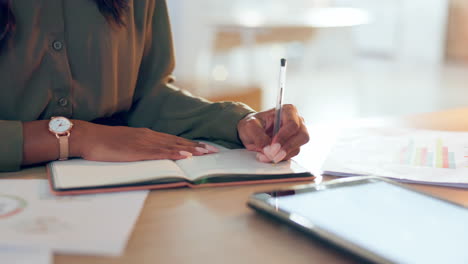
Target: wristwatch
column 61, row 127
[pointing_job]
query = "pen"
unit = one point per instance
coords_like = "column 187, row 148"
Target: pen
column 279, row 101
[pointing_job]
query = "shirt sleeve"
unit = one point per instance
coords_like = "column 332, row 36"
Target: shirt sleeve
column 11, row 145
column 163, row 107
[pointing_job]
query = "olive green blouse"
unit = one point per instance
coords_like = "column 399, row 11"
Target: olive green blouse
column 66, row 59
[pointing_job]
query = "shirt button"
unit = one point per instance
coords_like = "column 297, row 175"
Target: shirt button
column 57, row 45
column 63, row 102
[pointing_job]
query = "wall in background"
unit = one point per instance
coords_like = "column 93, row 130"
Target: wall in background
column 411, row 31
column 394, row 65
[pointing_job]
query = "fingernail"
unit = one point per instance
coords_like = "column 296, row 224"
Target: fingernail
column 280, row 156
column 202, row 150
column 262, row 158
column 211, row 148
column 185, row 153
column 275, row 148
column 267, row 152
column 271, row 150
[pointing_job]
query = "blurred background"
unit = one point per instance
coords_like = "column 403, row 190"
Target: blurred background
column 346, row 58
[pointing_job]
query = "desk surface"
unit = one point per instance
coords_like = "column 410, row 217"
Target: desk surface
column 214, row 225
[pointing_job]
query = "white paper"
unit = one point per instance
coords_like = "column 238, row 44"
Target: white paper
column 84, row 173
column 98, row 224
column 24, row 255
column 232, row 162
column 76, row 173
column 426, row 156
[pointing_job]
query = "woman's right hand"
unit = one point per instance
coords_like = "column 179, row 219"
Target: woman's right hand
column 120, row 143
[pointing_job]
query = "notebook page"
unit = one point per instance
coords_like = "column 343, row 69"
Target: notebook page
column 236, row 161
column 77, row 173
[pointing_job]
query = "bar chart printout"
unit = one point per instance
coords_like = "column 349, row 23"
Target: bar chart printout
column 402, row 154
column 435, row 155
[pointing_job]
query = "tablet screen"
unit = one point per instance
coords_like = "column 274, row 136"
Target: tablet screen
column 398, row 224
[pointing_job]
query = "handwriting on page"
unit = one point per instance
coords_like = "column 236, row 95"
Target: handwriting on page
column 11, row 205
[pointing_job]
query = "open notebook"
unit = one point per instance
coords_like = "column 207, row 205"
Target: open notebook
column 228, row 167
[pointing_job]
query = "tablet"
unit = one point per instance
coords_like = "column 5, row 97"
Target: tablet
column 374, row 218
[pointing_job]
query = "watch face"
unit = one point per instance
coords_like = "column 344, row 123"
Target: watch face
column 60, row 125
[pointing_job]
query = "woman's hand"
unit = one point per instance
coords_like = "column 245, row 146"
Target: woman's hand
column 256, row 133
column 112, row 143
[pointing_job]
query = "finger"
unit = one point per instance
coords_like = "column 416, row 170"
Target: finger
column 296, row 141
column 187, row 142
column 168, row 139
column 290, row 124
column 283, row 156
column 161, row 139
column 203, row 148
column 209, row 147
column 280, row 156
column 176, row 152
column 271, row 150
column 253, row 135
column 267, row 118
column 262, row 158
column 191, row 146
column 195, row 151
column 185, row 153
column 162, row 154
column 292, row 154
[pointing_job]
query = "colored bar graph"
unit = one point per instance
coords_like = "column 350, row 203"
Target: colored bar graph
column 451, row 160
column 410, row 151
column 438, row 152
column 422, row 157
column 417, row 157
column 445, row 157
column 430, row 158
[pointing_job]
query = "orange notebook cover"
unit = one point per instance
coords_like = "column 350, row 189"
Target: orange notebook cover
column 226, row 168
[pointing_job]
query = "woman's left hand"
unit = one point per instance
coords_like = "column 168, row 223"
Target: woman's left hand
column 256, row 133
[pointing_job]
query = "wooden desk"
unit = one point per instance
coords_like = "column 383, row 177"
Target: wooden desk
column 215, row 226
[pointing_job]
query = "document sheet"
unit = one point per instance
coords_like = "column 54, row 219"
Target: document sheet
column 424, row 156
column 25, row 255
column 87, row 224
